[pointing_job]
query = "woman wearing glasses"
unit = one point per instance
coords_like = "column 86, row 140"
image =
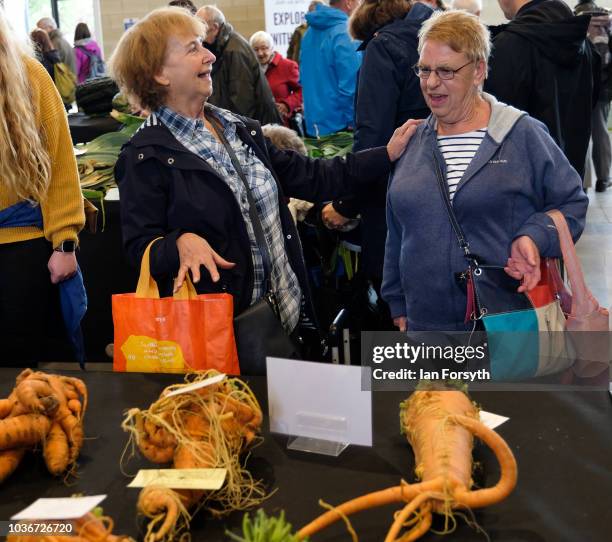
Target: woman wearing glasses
column 500, row 169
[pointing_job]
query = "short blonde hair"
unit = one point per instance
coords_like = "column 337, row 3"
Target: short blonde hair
column 461, row 31
column 141, row 52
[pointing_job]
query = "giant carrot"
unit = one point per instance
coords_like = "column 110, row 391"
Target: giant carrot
column 439, row 425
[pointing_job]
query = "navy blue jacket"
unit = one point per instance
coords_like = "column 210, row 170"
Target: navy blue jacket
column 166, row 191
column 388, row 94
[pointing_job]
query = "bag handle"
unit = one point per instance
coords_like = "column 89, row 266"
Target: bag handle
column 583, row 301
column 147, row 287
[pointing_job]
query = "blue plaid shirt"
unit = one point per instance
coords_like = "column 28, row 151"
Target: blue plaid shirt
column 193, row 135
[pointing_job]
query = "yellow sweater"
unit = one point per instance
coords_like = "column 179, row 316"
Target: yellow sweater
column 62, row 210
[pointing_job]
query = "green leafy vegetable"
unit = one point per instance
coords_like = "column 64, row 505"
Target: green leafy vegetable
column 264, row 528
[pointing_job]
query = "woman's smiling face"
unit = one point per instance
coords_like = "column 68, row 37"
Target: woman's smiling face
column 186, row 69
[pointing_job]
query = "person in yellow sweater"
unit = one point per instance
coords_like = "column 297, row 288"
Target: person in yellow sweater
column 41, row 206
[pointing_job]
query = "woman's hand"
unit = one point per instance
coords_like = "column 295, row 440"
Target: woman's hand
column 401, row 137
column 332, row 218
column 400, row 323
column 194, row 251
column 524, row 263
column 62, row 266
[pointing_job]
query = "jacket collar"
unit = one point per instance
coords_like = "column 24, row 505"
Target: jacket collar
column 527, row 7
column 155, row 132
column 225, row 33
column 503, row 118
column 275, row 59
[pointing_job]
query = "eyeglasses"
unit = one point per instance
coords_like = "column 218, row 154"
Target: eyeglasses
column 441, row 73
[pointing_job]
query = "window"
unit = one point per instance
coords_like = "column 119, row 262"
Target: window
column 24, row 14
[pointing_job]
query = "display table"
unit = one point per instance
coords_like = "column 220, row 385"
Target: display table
column 562, row 442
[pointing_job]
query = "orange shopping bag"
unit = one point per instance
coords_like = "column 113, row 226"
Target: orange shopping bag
column 173, row 334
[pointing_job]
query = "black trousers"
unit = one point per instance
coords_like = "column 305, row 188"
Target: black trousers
column 31, row 326
column 602, row 149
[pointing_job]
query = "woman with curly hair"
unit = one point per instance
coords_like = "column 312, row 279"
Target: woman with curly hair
column 41, row 206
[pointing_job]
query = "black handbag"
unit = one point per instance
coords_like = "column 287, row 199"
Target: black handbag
column 258, row 330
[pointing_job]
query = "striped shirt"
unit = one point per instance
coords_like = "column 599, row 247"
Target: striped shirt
column 193, row 135
column 458, row 151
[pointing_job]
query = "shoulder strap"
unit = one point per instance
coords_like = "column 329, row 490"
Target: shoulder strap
column 255, row 220
column 443, row 187
column 86, row 51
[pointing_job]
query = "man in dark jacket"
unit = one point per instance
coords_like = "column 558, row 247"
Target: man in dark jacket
column 238, row 82
column 599, row 36
column 542, row 64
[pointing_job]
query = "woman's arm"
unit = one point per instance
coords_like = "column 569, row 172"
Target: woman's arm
column 391, row 289
column 63, row 214
column 556, row 185
column 321, row 180
column 143, row 205
column 62, row 209
column 294, row 100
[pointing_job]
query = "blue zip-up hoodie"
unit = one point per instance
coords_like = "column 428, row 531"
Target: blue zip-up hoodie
column 329, row 62
column 517, row 174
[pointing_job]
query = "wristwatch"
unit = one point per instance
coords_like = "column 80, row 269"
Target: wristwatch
column 66, row 246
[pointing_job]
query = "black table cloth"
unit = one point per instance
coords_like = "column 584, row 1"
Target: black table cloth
column 562, row 442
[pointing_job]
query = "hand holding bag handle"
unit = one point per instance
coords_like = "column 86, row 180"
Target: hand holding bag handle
column 174, row 334
column 147, row 287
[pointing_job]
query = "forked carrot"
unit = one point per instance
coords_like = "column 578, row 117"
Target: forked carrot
column 440, row 426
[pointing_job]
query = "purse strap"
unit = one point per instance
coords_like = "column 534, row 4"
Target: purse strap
column 260, row 237
column 583, row 301
column 443, row 187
